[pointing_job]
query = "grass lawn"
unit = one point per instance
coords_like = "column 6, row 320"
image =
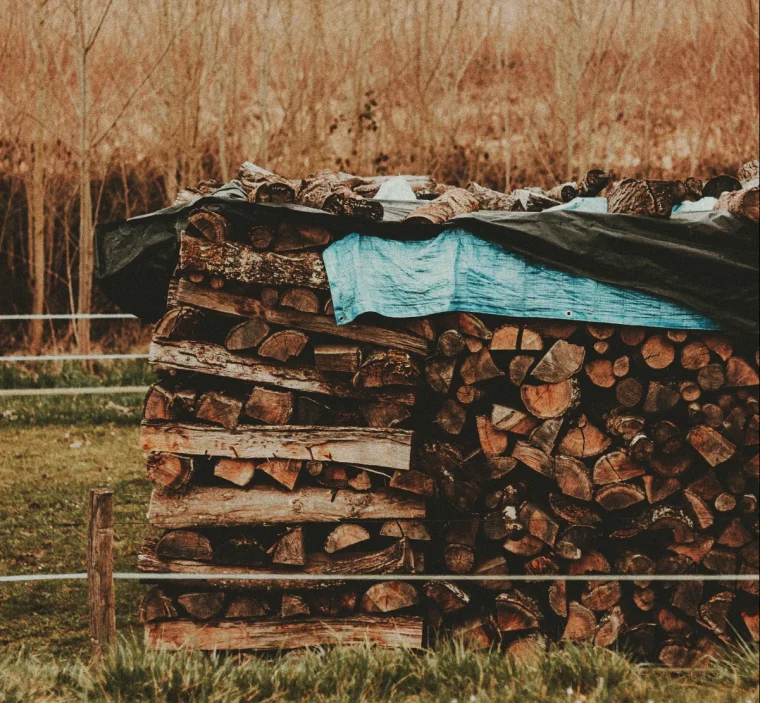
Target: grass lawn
column 45, row 475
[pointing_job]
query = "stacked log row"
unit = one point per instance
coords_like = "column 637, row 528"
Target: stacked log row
column 585, row 449
column 273, row 440
column 458, row 444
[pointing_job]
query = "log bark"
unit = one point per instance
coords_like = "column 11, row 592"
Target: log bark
column 228, row 507
column 456, row 201
column 243, row 264
column 279, row 634
column 390, row 448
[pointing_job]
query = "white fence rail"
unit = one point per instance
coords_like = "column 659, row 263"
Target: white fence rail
column 39, row 358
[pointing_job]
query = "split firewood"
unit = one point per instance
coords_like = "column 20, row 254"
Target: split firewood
column 449, row 597
column 156, row 605
column 245, row 607
column 283, row 345
column 345, row 535
column 413, row 482
column 293, row 605
column 562, row 361
column 202, row 606
column 284, row 471
column 519, row 367
column 451, row 417
column 479, row 367
column 185, row 545
column 414, row 530
column 237, row 471
column 389, row 596
column 171, row 470
column 337, row 358
column 290, row 548
column 301, row 299
column 219, row 409
column 516, row 611
column 387, row 368
column 247, row 335
column 584, row 440
column 270, row 407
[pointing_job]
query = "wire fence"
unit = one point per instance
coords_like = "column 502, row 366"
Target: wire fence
column 41, row 358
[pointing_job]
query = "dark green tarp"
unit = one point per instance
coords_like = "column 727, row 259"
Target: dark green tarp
column 707, row 261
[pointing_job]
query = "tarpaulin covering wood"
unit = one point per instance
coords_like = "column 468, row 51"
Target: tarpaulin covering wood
column 705, row 261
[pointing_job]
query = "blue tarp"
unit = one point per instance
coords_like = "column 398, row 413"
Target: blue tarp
column 458, row 271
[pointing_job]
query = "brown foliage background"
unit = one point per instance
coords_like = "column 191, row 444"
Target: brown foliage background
column 505, row 92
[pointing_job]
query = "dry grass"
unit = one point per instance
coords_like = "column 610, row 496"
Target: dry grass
column 505, row 92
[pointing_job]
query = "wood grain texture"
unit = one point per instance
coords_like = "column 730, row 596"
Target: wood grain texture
column 242, row 263
column 214, row 506
column 373, row 446
column 276, row 633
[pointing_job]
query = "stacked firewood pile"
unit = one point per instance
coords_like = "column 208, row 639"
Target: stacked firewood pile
column 282, row 442
column 344, row 194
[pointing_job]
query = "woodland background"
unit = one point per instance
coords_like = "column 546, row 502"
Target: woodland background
column 107, row 107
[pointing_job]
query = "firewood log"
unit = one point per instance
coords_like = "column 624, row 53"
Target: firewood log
column 301, row 299
column 549, row 400
column 171, row 470
column 211, row 225
column 718, row 185
column 324, row 190
column 202, row 606
column 262, row 186
column 562, row 361
column 337, row 358
column 237, row 471
column 649, row 198
column 219, row 409
column 593, row 183
column 247, row 335
column 564, row 192
column 156, row 605
column 389, row 596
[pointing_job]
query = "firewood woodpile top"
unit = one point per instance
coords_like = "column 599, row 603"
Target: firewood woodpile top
column 344, row 194
column 281, row 442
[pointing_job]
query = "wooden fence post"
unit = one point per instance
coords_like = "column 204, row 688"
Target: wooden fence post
column 100, row 593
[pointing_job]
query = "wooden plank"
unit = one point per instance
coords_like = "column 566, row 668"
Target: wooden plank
column 242, row 263
column 211, row 359
column 278, row 633
column 218, row 506
column 242, row 306
column 398, row 558
column 387, row 447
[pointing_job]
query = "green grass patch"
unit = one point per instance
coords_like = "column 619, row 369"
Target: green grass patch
column 570, row 674
column 119, row 408
column 45, row 476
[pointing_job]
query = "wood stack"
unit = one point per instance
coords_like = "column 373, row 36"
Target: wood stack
column 282, row 442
